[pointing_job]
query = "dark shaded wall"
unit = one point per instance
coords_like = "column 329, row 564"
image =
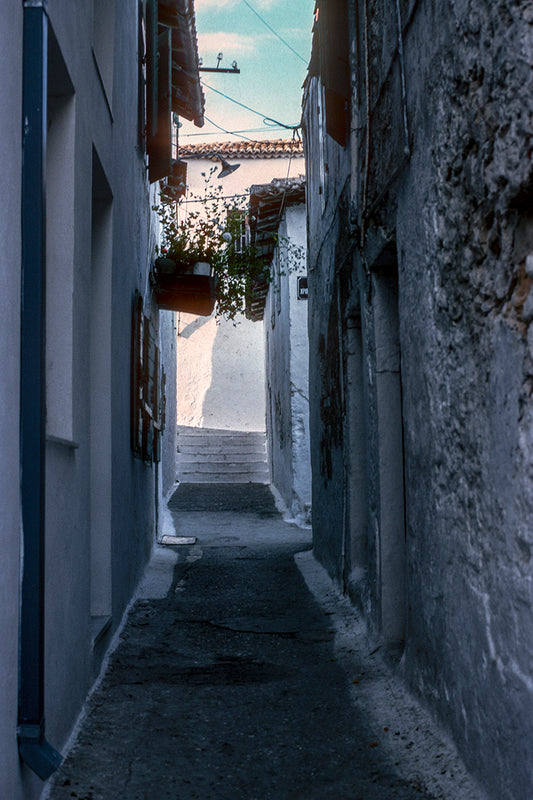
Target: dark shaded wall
column 421, row 238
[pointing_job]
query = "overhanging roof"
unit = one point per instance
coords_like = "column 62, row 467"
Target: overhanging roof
column 265, row 148
column 187, row 97
column 267, row 203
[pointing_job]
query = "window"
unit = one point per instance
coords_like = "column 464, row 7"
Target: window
column 237, row 225
column 148, row 381
column 334, row 67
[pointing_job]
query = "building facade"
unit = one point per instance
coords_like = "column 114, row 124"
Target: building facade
column 278, row 225
column 417, row 133
column 221, row 363
column 82, row 397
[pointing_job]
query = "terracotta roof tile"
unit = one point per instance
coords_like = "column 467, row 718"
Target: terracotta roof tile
column 267, row 202
column 268, row 148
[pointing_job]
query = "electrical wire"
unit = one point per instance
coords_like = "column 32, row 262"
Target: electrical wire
column 284, row 196
column 266, row 119
column 230, row 133
column 208, row 199
column 270, row 28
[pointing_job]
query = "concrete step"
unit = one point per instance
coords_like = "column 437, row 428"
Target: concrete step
column 216, row 433
column 219, row 456
column 185, row 429
column 220, row 466
column 223, row 477
column 216, row 448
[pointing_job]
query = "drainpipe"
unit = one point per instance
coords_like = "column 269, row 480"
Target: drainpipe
column 33, row 747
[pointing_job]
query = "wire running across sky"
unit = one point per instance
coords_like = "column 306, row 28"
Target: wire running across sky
column 266, row 119
column 270, row 28
column 230, row 133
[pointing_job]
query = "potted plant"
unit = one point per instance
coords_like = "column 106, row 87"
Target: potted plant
column 204, row 258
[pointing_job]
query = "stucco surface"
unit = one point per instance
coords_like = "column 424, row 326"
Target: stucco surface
column 100, row 500
column 221, row 366
column 10, row 138
column 287, row 359
column 221, row 373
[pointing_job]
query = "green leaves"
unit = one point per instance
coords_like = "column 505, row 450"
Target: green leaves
column 214, row 229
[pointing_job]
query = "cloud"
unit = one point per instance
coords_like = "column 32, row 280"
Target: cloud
column 231, row 44
column 206, row 5
column 220, row 5
column 302, row 31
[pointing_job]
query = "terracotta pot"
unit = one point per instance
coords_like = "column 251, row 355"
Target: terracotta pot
column 169, row 266
column 192, row 294
column 201, row 268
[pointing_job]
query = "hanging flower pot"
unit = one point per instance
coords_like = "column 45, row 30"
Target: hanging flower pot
column 191, row 289
column 210, row 236
column 202, row 268
column 164, row 266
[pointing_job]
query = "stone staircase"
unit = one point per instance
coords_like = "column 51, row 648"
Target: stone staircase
column 209, row 455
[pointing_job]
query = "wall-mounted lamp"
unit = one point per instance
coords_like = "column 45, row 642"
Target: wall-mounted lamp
column 227, row 169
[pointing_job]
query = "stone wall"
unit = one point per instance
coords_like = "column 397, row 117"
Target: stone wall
column 421, row 272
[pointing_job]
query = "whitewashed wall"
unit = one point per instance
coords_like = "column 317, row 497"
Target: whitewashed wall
column 221, row 372
column 287, row 357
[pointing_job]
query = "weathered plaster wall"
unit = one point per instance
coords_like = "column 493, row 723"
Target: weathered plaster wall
column 299, row 367
column 221, row 373
column 327, row 235
column 454, row 216
column 168, row 330
column 278, row 382
column 221, row 367
column 100, row 239
column 287, row 368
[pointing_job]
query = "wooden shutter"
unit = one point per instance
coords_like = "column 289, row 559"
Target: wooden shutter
column 159, row 91
column 136, row 376
column 335, row 67
column 147, row 392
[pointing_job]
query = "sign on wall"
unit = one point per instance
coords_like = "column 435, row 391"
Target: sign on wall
column 302, row 288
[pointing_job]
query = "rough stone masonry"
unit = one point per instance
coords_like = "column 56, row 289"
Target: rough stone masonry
column 420, row 275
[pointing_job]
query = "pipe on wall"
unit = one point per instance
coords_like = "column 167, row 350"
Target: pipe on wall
column 34, row 750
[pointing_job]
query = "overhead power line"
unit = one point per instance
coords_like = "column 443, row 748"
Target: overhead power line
column 266, row 119
column 270, row 28
column 230, row 133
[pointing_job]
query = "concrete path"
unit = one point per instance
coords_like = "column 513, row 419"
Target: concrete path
column 233, row 680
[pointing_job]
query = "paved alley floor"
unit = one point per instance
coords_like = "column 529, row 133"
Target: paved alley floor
column 240, row 674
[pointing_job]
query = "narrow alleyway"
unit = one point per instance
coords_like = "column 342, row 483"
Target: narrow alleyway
column 232, row 680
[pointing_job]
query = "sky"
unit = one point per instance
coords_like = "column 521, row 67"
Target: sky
column 271, row 72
